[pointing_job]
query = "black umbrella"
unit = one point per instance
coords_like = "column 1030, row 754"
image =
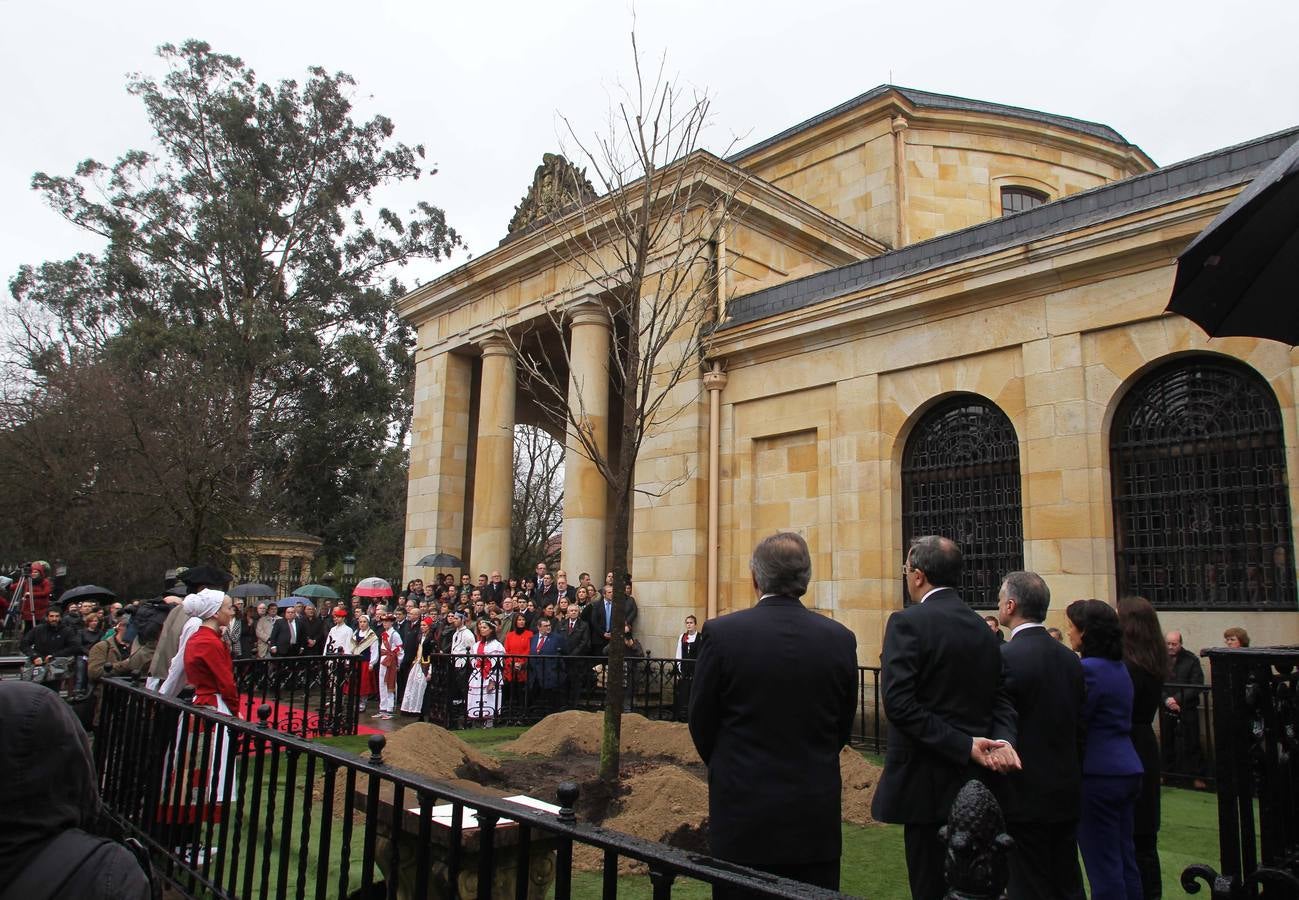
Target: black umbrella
column 87, row 592
column 1240, row 276
column 441, row 561
column 252, row 589
column 209, row 576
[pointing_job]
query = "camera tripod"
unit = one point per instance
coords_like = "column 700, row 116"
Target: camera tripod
column 21, row 602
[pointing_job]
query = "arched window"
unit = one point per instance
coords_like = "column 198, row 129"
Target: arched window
column 960, row 479
column 1201, row 506
column 1018, row 199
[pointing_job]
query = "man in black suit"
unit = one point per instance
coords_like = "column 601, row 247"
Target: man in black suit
column 1045, row 682
column 286, row 636
column 314, row 629
column 577, row 643
column 772, row 705
column 599, row 613
column 949, row 714
column 495, row 589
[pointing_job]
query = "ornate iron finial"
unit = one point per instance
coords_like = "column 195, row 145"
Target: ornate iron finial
column 264, row 715
column 377, row 742
column 977, row 844
column 567, row 794
column 556, row 185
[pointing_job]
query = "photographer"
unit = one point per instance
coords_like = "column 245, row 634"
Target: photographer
column 48, row 641
column 33, row 603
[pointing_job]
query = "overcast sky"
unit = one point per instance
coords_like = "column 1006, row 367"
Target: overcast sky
column 480, row 84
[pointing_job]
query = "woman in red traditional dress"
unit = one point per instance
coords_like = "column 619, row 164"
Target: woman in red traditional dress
column 367, row 646
column 207, row 666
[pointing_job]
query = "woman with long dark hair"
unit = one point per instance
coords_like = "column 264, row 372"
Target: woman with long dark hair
column 1146, row 661
column 1111, row 771
column 517, row 642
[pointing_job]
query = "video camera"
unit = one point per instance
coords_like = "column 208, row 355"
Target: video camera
column 29, row 570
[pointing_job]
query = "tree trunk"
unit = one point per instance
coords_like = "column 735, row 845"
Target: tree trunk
column 610, row 752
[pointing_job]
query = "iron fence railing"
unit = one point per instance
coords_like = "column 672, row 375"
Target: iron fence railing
column 522, row 690
column 309, row 696
column 1186, row 738
column 230, row 809
column 1256, row 724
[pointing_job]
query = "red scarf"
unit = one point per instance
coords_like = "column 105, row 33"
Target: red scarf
column 388, row 656
column 484, row 662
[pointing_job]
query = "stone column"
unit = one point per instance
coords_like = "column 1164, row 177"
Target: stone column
column 439, row 449
column 494, row 471
column 585, row 491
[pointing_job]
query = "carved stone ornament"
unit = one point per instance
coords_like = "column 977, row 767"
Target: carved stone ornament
column 556, row 185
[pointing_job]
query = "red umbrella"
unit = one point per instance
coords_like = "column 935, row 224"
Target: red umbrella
column 372, row 587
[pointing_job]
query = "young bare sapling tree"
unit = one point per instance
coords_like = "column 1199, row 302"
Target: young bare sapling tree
column 645, row 260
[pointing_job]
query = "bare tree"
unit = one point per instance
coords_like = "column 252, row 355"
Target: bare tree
column 538, row 509
column 648, row 248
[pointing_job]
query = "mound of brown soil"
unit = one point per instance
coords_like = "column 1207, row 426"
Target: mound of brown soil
column 664, row 803
column 434, row 752
column 667, row 802
column 859, row 780
column 427, row 750
column 575, row 731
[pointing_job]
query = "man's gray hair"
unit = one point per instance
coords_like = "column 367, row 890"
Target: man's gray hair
column 781, row 564
column 1030, row 593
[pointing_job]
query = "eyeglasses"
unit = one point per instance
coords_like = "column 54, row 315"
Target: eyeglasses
column 906, row 568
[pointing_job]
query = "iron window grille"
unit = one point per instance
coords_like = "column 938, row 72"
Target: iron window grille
column 1201, row 502
column 960, row 480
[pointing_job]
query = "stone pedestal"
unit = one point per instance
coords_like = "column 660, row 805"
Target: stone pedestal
column 505, row 856
column 494, row 470
column 585, row 490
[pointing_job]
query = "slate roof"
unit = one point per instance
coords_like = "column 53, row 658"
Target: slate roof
column 1200, row 175
column 926, row 99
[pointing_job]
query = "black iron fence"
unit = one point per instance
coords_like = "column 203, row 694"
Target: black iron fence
column 462, row 691
column 309, row 696
column 235, row 810
column 1256, row 723
column 1186, row 739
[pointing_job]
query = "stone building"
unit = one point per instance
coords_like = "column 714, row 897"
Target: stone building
column 280, row 557
column 936, row 315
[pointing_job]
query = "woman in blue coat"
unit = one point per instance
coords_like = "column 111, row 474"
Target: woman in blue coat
column 1111, row 771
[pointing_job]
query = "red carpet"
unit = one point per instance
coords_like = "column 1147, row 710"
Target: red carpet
column 288, row 718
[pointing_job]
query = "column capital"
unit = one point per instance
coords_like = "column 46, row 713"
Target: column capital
column 587, row 310
column 899, row 123
column 495, row 343
column 714, row 381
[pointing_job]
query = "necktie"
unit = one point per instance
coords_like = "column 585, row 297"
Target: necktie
column 541, row 644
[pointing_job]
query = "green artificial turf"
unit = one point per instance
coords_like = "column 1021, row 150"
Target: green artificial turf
column 1188, row 833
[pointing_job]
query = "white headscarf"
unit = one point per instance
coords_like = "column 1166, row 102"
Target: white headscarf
column 203, row 605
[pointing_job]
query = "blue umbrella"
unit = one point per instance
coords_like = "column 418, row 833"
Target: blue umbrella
column 294, row 601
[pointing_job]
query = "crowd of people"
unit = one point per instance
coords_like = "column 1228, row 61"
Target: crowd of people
column 532, row 638
column 509, row 641
column 1060, row 724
